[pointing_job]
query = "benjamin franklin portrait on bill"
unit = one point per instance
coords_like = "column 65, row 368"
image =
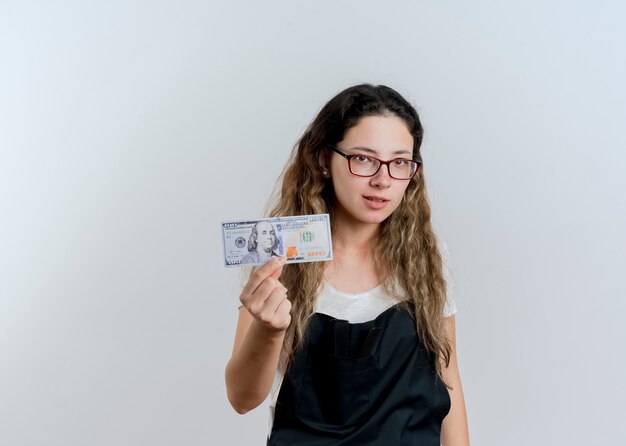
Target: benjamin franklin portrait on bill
column 262, row 244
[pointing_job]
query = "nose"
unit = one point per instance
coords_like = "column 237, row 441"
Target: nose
column 381, row 178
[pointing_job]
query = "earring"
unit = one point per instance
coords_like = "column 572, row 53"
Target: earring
column 325, row 173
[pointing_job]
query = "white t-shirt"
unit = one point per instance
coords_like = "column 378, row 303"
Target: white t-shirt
column 355, row 308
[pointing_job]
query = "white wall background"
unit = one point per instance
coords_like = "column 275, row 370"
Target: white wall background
column 130, row 129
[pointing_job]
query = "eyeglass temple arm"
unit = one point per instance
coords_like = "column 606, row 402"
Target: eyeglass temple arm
column 335, row 149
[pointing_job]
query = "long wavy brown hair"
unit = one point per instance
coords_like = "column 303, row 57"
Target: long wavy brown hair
column 405, row 251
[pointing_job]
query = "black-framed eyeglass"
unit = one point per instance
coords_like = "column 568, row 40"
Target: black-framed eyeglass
column 368, row 166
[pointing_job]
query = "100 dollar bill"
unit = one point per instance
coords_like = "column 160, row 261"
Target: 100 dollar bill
column 303, row 238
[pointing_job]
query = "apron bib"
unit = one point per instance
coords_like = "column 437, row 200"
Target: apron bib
column 369, row 383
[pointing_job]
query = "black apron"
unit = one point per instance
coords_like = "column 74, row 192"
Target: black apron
column 369, row 383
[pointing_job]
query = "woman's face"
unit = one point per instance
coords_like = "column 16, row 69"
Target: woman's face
column 371, row 199
column 265, row 236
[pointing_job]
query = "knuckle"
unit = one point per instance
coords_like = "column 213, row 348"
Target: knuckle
column 286, row 322
column 265, row 317
column 244, row 297
column 254, row 309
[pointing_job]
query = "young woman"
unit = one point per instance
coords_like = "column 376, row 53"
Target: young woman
column 359, row 350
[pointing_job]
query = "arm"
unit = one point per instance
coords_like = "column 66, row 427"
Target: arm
column 263, row 321
column 454, row 429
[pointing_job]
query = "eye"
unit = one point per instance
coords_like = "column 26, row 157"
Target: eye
column 362, row 159
column 401, row 162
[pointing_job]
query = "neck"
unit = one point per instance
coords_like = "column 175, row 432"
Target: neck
column 353, row 236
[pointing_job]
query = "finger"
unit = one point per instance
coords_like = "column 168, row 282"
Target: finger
column 268, row 312
column 283, row 314
column 283, row 308
column 271, row 314
column 265, row 289
column 274, row 300
column 276, row 273
column 263, row 272
column 254, row 302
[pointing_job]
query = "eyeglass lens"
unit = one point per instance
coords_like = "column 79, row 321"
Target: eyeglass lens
column 365, row 166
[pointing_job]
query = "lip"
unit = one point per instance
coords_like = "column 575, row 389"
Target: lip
column 376, row 197
column 375, row 204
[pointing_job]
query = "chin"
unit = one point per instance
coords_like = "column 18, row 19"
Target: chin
column 374, row 218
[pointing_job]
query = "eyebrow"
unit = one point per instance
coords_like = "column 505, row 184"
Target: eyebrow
column 372, row 151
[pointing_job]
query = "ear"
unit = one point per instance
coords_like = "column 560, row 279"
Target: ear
column 324, row 162
column 322, row 159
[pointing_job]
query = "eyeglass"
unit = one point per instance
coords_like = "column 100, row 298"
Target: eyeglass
column 368, row 166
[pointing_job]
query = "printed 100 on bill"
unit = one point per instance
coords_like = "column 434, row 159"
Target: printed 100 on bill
column 303, row 238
